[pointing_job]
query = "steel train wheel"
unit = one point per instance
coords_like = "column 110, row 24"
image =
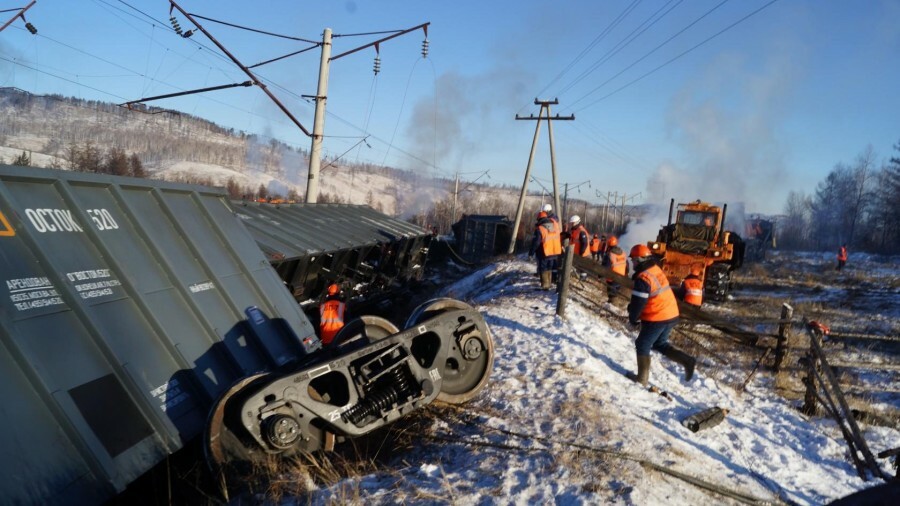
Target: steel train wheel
column 362, row 331
column 470, row 362
column 222, row 448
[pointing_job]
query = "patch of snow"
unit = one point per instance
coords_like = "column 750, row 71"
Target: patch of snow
column 568, row 427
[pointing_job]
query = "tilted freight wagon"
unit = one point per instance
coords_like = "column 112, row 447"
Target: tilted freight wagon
column 138, row 315
column 313, row 245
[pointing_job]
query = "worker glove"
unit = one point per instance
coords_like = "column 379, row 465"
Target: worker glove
column 634, row 325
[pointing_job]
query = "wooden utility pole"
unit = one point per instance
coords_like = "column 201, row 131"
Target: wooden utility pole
column 545, row 105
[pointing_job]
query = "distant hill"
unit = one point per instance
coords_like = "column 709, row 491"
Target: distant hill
column 181, row 147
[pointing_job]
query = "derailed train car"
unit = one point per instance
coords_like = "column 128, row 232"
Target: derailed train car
column 313, row 245
column 139, row 315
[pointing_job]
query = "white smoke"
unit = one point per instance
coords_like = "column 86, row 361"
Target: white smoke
column 726, row 119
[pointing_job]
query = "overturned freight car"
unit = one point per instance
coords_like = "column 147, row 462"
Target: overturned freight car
column 313, row 245
column 138, row 315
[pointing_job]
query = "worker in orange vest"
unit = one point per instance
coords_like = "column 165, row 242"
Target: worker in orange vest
column 615, row 259
column 691, row 289
column 842, row 257
column 578, row 237
column 654, row 310
column 595, row 248
column 547, row 245
column 331, row 314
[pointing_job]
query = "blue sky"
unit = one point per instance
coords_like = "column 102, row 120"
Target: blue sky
column 769, row 105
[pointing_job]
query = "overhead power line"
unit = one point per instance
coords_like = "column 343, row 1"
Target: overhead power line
column 618, row 19
column 720, row 32
column 655, row 49
column 255, row 30
column 631, row 37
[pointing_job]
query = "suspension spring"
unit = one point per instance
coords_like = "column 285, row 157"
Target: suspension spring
column 382, row 399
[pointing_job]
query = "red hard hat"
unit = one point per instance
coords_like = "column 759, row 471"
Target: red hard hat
column 612, row 241
column 542, row 214
column 639, row 250
column 333, row 289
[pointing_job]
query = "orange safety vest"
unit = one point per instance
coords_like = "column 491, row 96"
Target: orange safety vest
column 595, row 245
column 693, row 291
column 331, row 319
column 661, row 303
column 573, row 240
column 842, row 254
column 618, row 262
column 550, row 241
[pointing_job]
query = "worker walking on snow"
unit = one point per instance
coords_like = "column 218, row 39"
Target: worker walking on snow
column 615, row 259
column 578, row 237
column 691, row 289
column 547, row 245
column 653, row 307
column 331, row 314
column 842, row 257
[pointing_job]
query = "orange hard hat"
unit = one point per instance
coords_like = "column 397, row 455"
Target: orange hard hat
column 639, row 250
column 542, row 214
column 612, row 241
column 333, row 289
column 697, row 270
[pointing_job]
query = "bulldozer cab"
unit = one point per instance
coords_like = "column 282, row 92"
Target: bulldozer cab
column 705, row 219
column 694, row 230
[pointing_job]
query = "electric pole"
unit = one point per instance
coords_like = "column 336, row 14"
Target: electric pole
column 565, row 213
column 545, row 105
column 315, row 152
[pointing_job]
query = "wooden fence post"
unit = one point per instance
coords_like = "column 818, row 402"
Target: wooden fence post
column 784, row 335
column 810, row 399
column 565, row 275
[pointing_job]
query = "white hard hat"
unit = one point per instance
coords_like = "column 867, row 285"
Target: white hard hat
column 547, row 208
column 575, row 219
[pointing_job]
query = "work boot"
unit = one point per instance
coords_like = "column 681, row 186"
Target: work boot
column 643, row 372
column 545, row 280
column 687, row 361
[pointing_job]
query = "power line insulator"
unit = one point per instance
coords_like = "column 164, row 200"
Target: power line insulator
column 30, row 27
column 377, row 66
column 187, row 34
column 175, row 25
column 425, row 48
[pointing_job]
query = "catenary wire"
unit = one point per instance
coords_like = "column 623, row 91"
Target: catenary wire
column 247, row 28
column 645, row 56
column 589, row 47
column 720, row 32
column 625, row 42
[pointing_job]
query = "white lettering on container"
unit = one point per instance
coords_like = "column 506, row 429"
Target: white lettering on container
column 53, row 220
column 32, row 293
column 202, row 287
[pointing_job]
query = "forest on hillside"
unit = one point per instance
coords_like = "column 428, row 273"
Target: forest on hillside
column 857, row 203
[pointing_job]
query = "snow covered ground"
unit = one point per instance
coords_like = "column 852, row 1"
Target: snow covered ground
column 559, row 423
